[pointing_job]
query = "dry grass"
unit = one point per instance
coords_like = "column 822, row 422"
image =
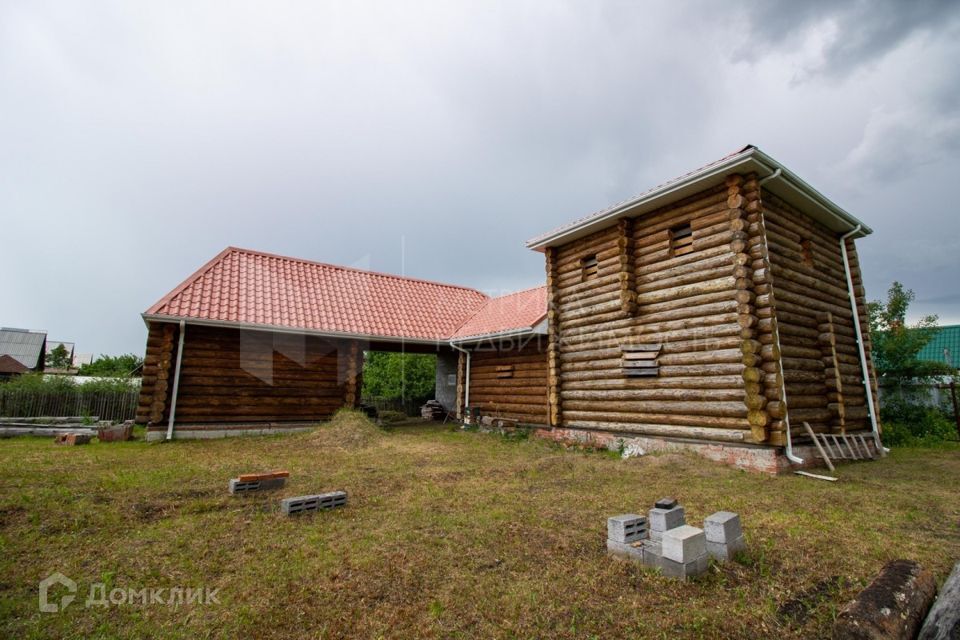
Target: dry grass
column 447, row 534
column 349, row 430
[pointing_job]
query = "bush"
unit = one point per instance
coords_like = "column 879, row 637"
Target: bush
column 909, row 422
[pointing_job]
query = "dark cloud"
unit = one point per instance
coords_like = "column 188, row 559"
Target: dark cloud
column 851, row 33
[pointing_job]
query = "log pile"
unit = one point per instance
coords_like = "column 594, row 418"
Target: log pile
column 432, row 410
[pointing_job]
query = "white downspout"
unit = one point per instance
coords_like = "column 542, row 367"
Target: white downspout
column 466, row 388
column 859, row 333
column 176, row 381
column 791, row 456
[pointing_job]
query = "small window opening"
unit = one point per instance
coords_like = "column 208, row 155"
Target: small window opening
column 681, row 240
column 806, row 252
column 589, row 267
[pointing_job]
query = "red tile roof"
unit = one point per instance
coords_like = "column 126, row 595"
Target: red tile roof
column 251, row 288
column 516, row 311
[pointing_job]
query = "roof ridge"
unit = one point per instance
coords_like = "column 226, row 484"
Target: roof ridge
column 383, row 274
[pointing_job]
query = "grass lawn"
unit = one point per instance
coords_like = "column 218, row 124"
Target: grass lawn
column 447, row 534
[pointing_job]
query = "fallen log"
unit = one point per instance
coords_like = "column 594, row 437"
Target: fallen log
column 892, row 607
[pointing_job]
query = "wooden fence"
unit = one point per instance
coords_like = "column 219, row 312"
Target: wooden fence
column 115, row 405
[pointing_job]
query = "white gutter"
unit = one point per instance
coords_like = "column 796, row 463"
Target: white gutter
column 859, row 333
column 791, row 456
column 176, row 381
column 466, row 388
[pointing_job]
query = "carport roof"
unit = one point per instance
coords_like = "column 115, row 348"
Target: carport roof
column 245, row 288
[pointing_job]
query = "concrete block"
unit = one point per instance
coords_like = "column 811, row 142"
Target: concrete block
column 661, row 520
column 238, row 485
column 626, row 528
column 725, row 551
column 624, row 551
column 684, row 544
column 723, row 526
column 303, row 504
column 71, row 439
column 652, row 554
column 685, row 570
column 115, row 432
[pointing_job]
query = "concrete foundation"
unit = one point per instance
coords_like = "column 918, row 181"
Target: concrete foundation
column 749, row 457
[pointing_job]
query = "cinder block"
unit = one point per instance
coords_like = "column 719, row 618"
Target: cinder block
column 624, row 551
column 652, row 554
column 661, row 520
column 685, row 570
column 318, row 502
column 238, row 485
column 726, row 551
column 722, row 526
column 684, row 544
column 626, row 528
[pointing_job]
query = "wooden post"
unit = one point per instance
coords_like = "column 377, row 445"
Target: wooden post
column 553, row 340
column 740, row 194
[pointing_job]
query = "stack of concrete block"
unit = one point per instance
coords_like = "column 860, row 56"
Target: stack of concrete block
column 248, row 482
column 625, row 534
column 109, row 432
column 724, row 535
column 684, row 552
column 664, row 541
column 318, row 502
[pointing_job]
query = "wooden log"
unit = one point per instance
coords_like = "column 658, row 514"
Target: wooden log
column 943, row 620
column 892, row 607
column 663, row 430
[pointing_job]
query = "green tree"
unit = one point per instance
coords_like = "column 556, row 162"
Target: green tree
column 113, row 366
column 396, row 376
column 896, row 344
column 58, row 358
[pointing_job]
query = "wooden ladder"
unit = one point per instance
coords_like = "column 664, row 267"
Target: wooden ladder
column 835, row 446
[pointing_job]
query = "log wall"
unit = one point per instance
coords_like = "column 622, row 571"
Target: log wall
column 820, row 360
column 511, row 383
column 234, row 376
column 695, row 305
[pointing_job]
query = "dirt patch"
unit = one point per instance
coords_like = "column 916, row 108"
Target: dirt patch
column 348, row 429
column 797, row 610
column 8, row 515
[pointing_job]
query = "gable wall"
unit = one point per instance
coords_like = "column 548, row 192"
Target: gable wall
column 691, row 304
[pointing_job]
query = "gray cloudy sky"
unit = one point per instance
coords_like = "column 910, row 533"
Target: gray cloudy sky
column 139, row 139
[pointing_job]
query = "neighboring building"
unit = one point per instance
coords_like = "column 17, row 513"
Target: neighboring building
column 712, row 312
column 944, row 347
column 25, row 347
column 70, row 370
